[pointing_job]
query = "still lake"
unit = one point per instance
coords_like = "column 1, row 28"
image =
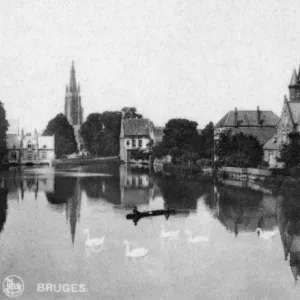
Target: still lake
column 44, row 212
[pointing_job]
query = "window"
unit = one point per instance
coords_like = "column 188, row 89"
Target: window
column 133, row 143
column 14, row 156
column 45, row 146
column 44, row 155
column 29, row 157
column 128, row 143
column 140, row 143
column 29, row 146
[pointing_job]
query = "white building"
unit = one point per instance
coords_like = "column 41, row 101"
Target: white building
column 45, row 149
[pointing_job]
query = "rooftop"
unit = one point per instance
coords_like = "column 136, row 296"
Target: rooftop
column 249, row 118
column 137, row 127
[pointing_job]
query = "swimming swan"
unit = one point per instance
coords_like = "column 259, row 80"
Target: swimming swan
column 195, row 239
column 92, row 242
column 168, row 234
column 266, row 234
column 134, row 253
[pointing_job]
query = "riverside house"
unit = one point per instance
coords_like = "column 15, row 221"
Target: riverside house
column 136, row 136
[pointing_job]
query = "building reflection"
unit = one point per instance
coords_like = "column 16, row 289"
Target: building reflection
column 136, row 186
column 289, row 227
column 66, row 195
column 243, row 209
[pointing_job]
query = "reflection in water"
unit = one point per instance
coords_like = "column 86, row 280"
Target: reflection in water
column 3, row 207
column 67, row 193
column 136, row 187
column 215, row 205
column 290, row 232
column 243, row 209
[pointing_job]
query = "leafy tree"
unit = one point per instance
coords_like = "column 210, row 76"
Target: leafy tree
column 3, row 130
column 207, row 141
column 130, row 113
column 63, row 132
column 180, row 138
column 101, row 133
column 290, row 153
column 238, row 150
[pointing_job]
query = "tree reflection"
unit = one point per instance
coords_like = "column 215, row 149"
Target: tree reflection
column 290, row 232
column 242, row 209
column 180, row 193
column 3, row 207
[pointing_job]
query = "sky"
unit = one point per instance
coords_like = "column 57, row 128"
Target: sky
column 191, row 59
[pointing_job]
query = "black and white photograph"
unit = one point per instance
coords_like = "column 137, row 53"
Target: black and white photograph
column 150, row 150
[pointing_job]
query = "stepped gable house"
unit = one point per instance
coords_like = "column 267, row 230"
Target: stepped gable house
column 135, row 134
column 258, row 123
column 289, row 122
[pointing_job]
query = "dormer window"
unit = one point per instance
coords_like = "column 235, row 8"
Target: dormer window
column 29, row 146
column 45, row 146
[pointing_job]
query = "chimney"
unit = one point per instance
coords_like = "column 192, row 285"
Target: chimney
column 258, row 116
column 235, row 117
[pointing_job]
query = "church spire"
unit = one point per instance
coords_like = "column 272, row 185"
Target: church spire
column 72, row 86
column 294, row 78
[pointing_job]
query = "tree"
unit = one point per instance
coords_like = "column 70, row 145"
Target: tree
column 101, row 133
column 238, row 150
column 207, row 141
column 63, row 132
column 3, row 130
column 130, row 113
column 290, row 153
column 180, row 137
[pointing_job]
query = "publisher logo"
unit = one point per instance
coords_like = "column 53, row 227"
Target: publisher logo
column 13, row 286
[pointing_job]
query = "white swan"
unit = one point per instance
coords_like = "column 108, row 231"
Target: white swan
column 134, row 253
column 168, row 234
column 92, row 242
column 196, row 239
column 266, row 234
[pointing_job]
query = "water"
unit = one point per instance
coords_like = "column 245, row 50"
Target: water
column 44, row 212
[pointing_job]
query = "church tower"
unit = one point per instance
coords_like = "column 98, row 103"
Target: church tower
column 73, row 108
column 294, row 87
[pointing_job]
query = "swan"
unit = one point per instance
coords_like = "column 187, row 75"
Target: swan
column 168, row 234
column 134, row 253
column 92, row 242
column 196, row 239
column 266, row 234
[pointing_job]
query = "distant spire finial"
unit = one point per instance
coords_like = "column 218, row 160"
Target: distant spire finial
column 294, row 78
column 72, row 85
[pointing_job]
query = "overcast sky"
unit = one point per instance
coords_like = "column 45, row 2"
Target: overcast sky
column 193, row 59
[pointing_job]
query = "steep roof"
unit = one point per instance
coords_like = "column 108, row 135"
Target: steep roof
column 263, row 134
column 294, row 78
column 271, row 143
column 294, row 108
column 138, row 127
column 247, row 118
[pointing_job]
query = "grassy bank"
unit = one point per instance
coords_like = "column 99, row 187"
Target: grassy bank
column 84, row 161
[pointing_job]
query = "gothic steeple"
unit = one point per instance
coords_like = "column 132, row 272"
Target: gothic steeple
column 294, row 87
column 294, row 78
column 73, row 108
column 72, row 79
